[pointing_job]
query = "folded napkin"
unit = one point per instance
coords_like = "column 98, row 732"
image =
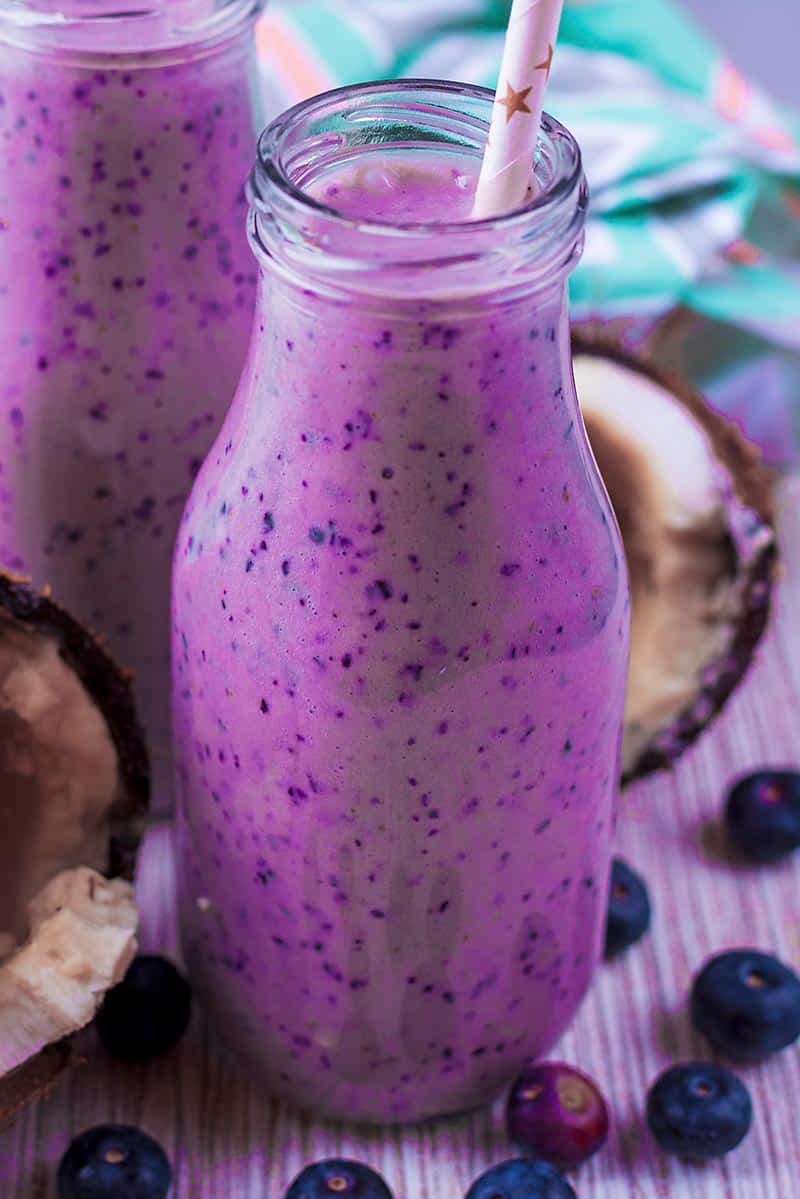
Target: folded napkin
column 694, row 172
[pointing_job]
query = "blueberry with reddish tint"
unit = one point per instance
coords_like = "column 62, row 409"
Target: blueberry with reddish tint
column 699, row 1110
column 329, row 1179
column 147, row 1013
column 763, row 815
column 558, row 1114
column 114, row 1161
column 521, row 1179
column 747, row 1004
column 628, row 909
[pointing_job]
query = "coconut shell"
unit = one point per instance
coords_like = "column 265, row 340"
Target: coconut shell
column 110, row 690
column 753, row 484
column 35, row 1080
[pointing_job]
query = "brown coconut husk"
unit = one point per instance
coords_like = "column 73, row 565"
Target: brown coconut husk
column 747, row 558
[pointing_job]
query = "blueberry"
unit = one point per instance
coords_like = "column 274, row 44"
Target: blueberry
column 336, row 1177
column 699, row 1110
column 147, row 1013
column 747, row 1004
column 521, row 1179
column 113, row 1161
column 628, row 909
column 558, row 1114
column 763, row 815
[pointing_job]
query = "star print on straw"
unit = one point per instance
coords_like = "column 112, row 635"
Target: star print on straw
column 548, row 62
column 514, row 101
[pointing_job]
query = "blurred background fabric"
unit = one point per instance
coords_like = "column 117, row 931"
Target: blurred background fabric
column 769, row 49
column 694, row 232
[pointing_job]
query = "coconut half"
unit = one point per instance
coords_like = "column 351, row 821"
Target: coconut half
column 694, row 506
column 73, row 793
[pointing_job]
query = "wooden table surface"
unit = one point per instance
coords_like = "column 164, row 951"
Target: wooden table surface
column 228, row 1140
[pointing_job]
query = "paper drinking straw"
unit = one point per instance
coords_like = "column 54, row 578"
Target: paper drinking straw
column 527, row 57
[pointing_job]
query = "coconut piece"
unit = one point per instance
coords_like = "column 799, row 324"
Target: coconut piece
column 74, row 786
column 694, row 506
column 82, row 940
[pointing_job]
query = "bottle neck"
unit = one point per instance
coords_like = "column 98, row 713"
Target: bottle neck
column 108, row 29
column 303, row 239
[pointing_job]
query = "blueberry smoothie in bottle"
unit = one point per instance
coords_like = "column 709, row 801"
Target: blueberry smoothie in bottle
column 400, row 626
column 126, row 296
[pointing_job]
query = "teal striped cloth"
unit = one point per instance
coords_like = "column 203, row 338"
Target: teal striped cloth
column 695, row 173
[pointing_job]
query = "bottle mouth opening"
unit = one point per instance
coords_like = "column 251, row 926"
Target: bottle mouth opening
column 120, row 28
column 332, row 129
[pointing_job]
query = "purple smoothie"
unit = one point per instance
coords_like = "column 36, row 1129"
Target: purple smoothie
column 126, row 299
column 400, row 617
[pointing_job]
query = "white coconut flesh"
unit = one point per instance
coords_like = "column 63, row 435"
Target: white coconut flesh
column 688, row 541
column 67, row 934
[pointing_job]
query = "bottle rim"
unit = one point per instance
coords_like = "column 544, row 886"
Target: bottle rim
column 119, row 30
column 288, row 224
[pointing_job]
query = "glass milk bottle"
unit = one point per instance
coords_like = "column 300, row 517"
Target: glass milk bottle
column 126, row 296
column 400, row 622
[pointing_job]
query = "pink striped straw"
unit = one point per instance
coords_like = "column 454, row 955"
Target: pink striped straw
column 527, row 57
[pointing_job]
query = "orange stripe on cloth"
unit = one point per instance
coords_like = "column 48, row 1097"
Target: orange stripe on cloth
column 731, row 93
column 282, row 49
column 775, row 138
